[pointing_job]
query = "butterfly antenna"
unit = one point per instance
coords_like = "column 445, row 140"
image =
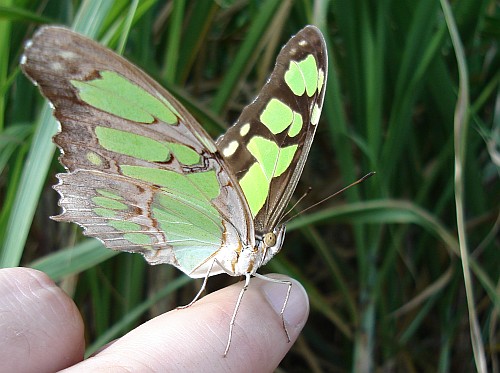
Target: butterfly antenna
column 296, row 203
column 369, row 174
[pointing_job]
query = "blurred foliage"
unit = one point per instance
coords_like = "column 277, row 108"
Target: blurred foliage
column 381, row 263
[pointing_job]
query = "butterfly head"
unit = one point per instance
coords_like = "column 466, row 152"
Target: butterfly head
column 270, row 243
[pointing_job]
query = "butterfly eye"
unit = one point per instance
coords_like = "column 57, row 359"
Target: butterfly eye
column 269, row 239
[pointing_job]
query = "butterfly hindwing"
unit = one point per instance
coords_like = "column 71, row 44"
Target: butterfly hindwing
column 143, row 175
column 268, row 145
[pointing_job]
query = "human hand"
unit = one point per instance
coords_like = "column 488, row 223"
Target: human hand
column 42, row 330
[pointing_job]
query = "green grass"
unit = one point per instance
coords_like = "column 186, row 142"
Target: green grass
column 413, row 92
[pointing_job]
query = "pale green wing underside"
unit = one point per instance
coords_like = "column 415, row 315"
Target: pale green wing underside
column 143, row 176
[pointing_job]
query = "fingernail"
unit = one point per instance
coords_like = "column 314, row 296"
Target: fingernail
column 297, row 307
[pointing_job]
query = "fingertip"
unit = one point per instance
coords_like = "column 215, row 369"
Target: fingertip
column 259, row 338
column 37, row 316
column 296, row 309
column 194, row 338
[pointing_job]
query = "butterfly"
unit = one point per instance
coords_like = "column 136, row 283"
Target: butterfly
column 144, row 176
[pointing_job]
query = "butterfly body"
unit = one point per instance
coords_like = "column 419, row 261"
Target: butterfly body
column 144, row 176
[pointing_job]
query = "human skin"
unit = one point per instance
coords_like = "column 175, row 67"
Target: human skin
column 41, row 330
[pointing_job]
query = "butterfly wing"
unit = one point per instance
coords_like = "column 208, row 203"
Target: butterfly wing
column 143, row 176
column 268, row 145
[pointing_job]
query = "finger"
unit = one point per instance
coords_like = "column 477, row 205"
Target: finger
column 194, row 339
column 41, row 329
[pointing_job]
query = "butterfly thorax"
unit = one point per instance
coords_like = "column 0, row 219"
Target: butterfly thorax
column 266, row 247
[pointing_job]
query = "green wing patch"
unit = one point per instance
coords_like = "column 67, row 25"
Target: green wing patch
column 116, row 95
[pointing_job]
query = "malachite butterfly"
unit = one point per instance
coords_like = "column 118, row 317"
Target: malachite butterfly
column 143, row 175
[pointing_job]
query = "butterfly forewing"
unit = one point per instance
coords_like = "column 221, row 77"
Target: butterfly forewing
column 143, row 175
column 268, row 145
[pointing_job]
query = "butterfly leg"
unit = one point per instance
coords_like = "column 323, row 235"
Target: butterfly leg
column 202, row 289
column 233, row 318
column 284, row 282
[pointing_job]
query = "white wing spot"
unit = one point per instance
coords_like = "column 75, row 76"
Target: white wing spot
column 303, row 43
column 321, row 79
column 293, row 51
column 244, row 129
column 230, row 149
column 56, row 66
column 316, row 112
column 23, row 59
column 68, row 55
